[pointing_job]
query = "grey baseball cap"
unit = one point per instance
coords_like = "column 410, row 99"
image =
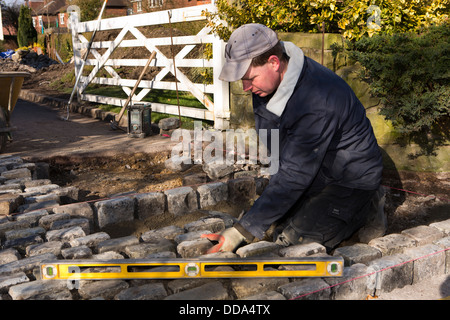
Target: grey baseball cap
column 246, row 42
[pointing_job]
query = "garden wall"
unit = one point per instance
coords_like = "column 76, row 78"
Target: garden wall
column 396, row 156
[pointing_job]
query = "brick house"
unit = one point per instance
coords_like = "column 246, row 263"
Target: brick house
column 142, row 6
column 53, row 13
column 48, row 14
column 7, row 28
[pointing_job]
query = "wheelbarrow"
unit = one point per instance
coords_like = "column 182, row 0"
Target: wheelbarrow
column 10, row 86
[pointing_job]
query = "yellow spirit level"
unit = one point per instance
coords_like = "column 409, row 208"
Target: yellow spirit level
column 191, row 268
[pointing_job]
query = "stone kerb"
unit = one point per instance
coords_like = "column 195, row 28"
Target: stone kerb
column 181, row 200
column 67, row 231
column 177, row 202
column 114, row 211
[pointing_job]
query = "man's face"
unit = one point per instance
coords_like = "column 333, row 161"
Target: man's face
column 263, row 80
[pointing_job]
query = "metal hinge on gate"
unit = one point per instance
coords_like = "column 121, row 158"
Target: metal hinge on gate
column 191, row 268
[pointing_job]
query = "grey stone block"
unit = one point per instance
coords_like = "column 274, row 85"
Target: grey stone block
column 22, row 243
column 69, row 223
column 357, row 253
column 41, row 171
column 13, row 225
column 162, row 255
column 10, row 161
column 80, row 252
column 77, row 210
column 33, row 216
column 67, row 194
column 177, row 166
column 213, row 225
column 228, row 219
column 423, row 234
column 212, row 193
column 353, row 285
column 65, row 235
column 29, row 165
column 20, row 181
column 270, row 295
column 221, row 255
column 37, row 182
column 169, row 123
column 302, row 250
column 42, row 198
column 25, row 264
column 217, row 170
column 11, row 280
column 41, row 290
column 241, row 190
column 13, row 187
column 181, row 200
column 47, row 220
column 258, row 249
column 4, row 219
column 392, row 243
column 429, row 261
column 108, row 255
column 114, row 211
column 142, row 250
column 251, row 286
column 189, row 236
column 91, row 240
column 43, row 189
column 117, row 244
column 169, row 232
column 17, row 173
column 243, row 174
column 444, row 244
column 391, row 272
column 106, row 289
column 150, row 291
column 179, row 285
column 209, row 291
column 53, row 247
column 10, row 202
column 9, row 255
column 23, row 233
column 443, row 226
column 306, row 289
column 195, row 179
column 193, row 248
column 38, row 205
column 150, row 204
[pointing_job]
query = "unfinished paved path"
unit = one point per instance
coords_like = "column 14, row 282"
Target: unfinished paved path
column 42, row 134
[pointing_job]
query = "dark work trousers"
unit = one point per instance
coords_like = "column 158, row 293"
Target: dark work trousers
column 328, row 216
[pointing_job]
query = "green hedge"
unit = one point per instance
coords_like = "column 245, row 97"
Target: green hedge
column 410, row 75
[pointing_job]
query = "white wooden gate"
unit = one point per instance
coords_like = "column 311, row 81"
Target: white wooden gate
column 217, row 111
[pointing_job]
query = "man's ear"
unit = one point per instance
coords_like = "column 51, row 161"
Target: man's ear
column 274, row 62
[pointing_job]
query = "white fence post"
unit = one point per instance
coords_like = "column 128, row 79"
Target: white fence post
column 74, row 20
column 221, row 88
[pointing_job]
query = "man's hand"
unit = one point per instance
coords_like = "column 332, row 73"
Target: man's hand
column 229, row 240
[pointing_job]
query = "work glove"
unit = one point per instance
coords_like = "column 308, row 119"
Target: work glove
column 229, row 240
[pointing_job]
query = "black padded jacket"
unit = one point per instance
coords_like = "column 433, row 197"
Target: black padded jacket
column 324, row 138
